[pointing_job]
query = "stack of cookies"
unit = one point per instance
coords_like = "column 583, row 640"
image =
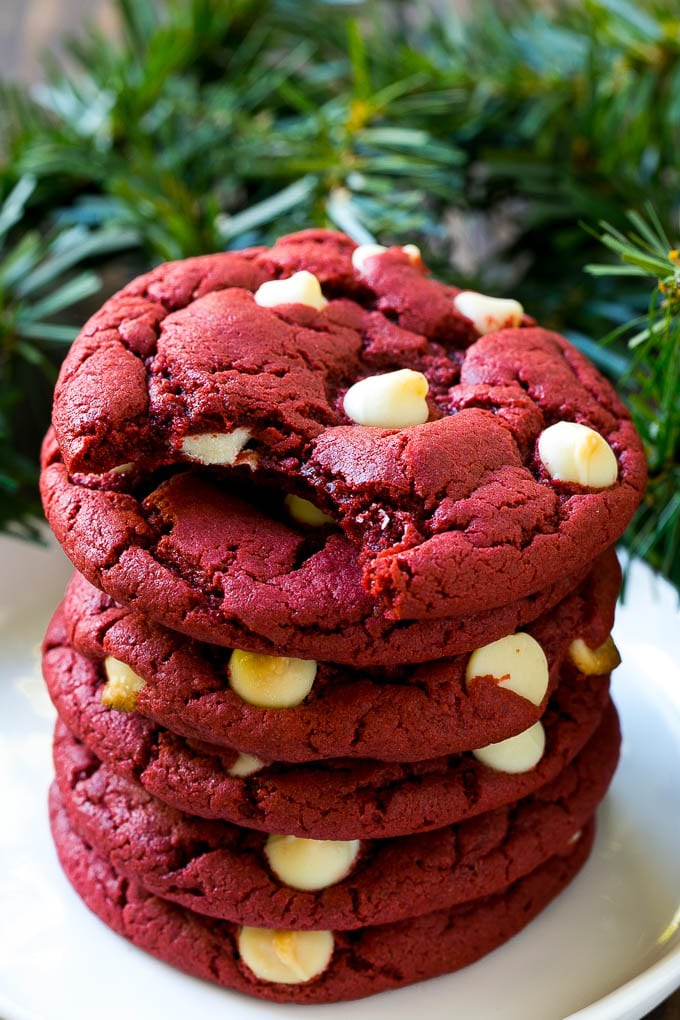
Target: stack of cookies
column 333, row 677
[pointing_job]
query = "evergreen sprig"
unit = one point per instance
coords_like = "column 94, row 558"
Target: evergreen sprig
column 651, row 381
column 206, row 125
column 40, row 279
column 201, row 110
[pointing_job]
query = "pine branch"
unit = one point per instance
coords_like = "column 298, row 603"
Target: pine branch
column 40, row 278
column 204, row 110
column 651, row 380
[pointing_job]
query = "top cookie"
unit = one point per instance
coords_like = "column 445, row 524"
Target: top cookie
column 445, row 475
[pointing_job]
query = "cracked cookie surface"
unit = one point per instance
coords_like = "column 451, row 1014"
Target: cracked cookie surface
column 400, row 714
column 214, row 565
column 451, row 517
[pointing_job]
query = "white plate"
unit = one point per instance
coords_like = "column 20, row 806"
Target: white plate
column 608, row 949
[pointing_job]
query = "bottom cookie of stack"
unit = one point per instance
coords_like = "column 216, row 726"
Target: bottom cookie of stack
column 411, row 907
column 314, row 966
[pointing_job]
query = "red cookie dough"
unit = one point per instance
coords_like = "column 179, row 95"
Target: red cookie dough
column 453, row 517
column 364, row 962
column 398, row 714
column 221, row 870
column 213, row 566
column 339, row 798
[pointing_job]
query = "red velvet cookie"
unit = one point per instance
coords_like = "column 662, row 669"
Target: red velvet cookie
column 358, row 963
column 459, row 512
column 224, row 871
column 337, row 799
column 398, row 714
column 211, row 565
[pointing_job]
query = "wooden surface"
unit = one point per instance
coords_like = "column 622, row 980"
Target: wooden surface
column 29, row 28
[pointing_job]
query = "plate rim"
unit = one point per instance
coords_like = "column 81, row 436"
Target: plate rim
column 663, row 976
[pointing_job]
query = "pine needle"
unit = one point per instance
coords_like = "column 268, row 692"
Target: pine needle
column 651, row 382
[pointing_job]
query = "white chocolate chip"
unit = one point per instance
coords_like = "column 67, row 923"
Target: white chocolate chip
column 215, row 447
column 516, row 754
column 390, row 401
column 516, row 662
column 366, row 251
column 310, row 863
column 575, row 837
column 577, row 453
column 122, row 685
column 301, row 288
column 270, row 681
column 488, row 314
column 369, row 251
column 413, row 252
column 119, row 469
column 594, row 661
column 286, row 957
column 304, row 512
column 246, row 765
